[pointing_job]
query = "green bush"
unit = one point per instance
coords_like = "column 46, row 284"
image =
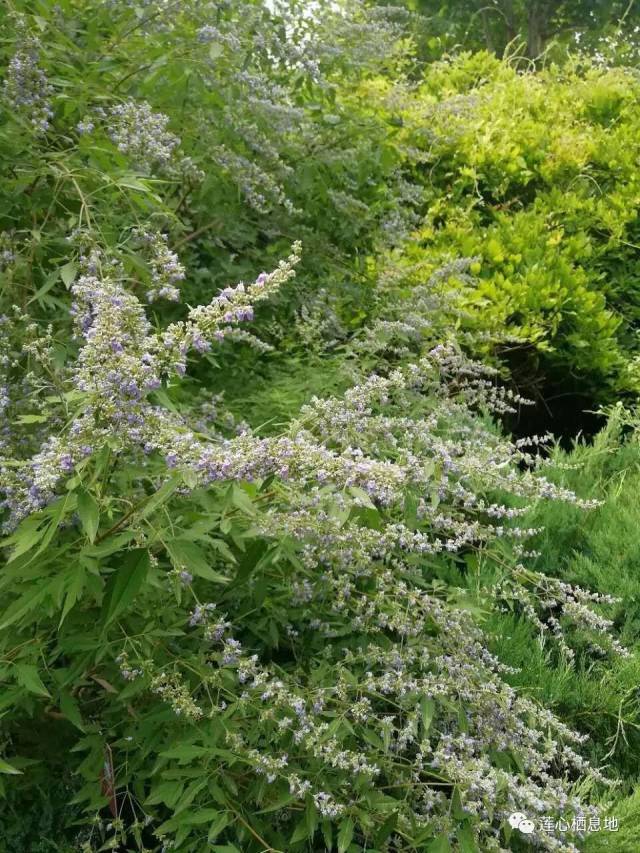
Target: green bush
column 535, row 175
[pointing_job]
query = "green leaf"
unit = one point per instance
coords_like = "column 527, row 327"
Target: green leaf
column 27, row 676
column 188, row 556
column 185, row 751
column 345, row 835
column 427, row 711
column 24, row 604
column 9, row 769
column 257, row 557
column 311, row 816
column 327, row 834
column 466, row 840
column 456, row 807
column 218, row 825
column 439, row 845
column 68, row 273
column 200, row 816
column 411, row 511
column 89, row 514
column 74, row 588
column 32, row 419
column 223, row 549
column 241, row 500
column 161, row 496
column 125, row 583
column 362, row 496
column 166, row 792
column 281, row 802
column 386, row 829
column 57, row 511
column 70, row 709
column 300, row 832
column 110, row 545
column 28, row 534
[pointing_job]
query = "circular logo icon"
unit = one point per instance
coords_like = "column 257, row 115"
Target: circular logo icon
column 526, row 826
column 519, row 820
column 516, row 819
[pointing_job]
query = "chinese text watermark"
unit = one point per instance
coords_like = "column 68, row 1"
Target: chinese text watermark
column 580, row 823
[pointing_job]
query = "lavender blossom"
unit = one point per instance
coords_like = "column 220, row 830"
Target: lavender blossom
column 26, row 87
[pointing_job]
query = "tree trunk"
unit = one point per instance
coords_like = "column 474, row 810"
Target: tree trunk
column 488, row 40
column 535, row 29
column 512, row 29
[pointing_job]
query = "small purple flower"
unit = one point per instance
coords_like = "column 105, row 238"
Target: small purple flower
column 200, row 344
column 85, row 126
column 66, row 462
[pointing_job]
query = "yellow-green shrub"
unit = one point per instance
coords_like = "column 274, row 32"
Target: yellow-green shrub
column 537, row 175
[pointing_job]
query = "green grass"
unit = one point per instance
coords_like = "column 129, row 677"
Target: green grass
column 599, row 550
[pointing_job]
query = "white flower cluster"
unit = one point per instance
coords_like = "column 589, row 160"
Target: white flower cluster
column 142, row 134
column 166, row 269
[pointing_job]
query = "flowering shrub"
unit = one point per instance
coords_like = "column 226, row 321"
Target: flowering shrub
column 242, row 638
column 328, row 672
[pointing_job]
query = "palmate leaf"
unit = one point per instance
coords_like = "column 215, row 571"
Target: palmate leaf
column 28, row 534
column 30, row 600
column 35, row 530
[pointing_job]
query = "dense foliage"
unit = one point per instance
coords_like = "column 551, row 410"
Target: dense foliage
column 532, row 28
column 535, row 177
column 265, row 538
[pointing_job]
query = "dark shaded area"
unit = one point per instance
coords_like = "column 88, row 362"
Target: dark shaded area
column 566, row 407
column 568, row 415
column 36, row 813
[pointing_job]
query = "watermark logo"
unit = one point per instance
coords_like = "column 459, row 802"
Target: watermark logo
column 519, row 820
column 579, row 824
